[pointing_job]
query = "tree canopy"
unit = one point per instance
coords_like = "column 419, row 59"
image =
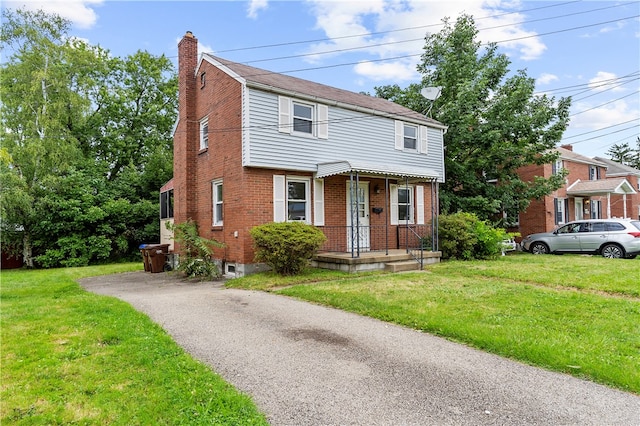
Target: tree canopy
column 624, row 154
column 86, row 143
column 497, row 124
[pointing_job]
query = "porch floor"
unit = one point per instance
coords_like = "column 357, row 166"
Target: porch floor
column 397, row 259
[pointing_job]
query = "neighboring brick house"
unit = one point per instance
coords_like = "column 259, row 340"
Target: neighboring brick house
column 619, row 202
column 588, row 193
column 252, row 146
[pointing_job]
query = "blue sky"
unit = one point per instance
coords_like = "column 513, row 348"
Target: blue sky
column 589, row 50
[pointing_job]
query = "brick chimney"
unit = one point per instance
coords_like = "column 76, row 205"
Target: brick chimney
column 185, row 140
column 568, row 147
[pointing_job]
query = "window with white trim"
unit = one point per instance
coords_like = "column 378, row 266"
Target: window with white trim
column 303, row 118
column 410, row 137
column 557, row 166
column 204, row 133
column 594, row 172
column 291, row 199
column 217, row 202
column 405, row 204
column 561, row 210
column 596, row 209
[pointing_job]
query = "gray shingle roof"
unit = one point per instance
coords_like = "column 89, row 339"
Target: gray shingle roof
column 601, row 186
column 566, row 154
column 617, row 169
column 295, row 85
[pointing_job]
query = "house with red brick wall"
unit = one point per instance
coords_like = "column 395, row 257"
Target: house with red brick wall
column 252, row 146
column 623, row 205
column 588, row 193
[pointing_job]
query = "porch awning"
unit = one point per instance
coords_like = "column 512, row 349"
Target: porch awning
column 601, row 187
column 348, row 166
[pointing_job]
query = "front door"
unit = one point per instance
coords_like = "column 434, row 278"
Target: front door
column 579, row 209
column 358, row 233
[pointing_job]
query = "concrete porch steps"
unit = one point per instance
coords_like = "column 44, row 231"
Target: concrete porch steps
column 402, row 266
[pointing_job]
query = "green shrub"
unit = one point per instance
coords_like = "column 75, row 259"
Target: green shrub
column 287, row 246
column 195, row 251
column 464, row 236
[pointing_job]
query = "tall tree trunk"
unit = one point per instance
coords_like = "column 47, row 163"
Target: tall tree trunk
column 27, row 253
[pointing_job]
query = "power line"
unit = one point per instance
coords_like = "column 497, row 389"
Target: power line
column 604, row 128
column 385, row 32
column 606, row 103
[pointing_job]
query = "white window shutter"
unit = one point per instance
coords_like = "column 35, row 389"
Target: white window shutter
column 284, row 115
column 323, row 122
column 318, row 202
column 399, row 135
column 420, row 205
column 393, row 194
column 279, row 199
column 423, row 145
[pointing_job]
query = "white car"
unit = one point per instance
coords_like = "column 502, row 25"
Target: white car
column 612, row 238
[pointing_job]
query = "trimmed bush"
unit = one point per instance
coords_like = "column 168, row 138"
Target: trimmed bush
column 464, row 236
column 286, row 247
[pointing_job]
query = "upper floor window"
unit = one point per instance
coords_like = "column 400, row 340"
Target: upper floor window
column 203, row 79
column 410, row 137
column 557, row 167
column 217, row 203
column 302, row 118
column 204, row 133
column 594, row 172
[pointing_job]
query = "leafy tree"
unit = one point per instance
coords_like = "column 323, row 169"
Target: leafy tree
column 496, row 123
column 624, row 154
column 83, row 132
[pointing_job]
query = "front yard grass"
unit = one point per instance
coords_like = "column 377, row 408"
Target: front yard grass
column 573, row 314
column 73, row 357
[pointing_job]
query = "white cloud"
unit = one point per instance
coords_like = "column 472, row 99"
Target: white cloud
column 79, row 12
column 605, row 116
column 546, row 78
column 396, row 71
column 605, row 81
column 255, row 6
column 379, row 29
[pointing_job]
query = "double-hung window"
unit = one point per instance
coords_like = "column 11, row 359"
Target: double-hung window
column 297, row 199
column 303, row 118
column 405, row 204
column 166, row 204
column 594, row 172
column 556, row 167
column 410, row 137
column 204, row 133
column 291, row 199
column 217, row 201
column 561, row 210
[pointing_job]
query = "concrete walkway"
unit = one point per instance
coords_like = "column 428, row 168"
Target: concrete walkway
column 305, row 364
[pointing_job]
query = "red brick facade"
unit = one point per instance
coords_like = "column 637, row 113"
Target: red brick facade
column 540, row 216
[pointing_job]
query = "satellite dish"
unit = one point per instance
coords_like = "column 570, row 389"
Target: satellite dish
column 431, row 93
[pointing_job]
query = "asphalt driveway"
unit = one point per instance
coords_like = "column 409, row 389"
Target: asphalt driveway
column 305, row 364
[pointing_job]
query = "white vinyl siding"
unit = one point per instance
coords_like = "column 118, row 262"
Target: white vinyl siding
column 318, row 202
column 353, row 135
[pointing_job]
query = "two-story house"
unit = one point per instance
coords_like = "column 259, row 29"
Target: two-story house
column 588, row 193
column 253, row 146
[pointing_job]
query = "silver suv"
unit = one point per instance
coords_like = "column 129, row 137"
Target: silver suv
column 613, row 238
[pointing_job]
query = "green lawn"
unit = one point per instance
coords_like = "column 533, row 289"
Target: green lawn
column 73, row 357
column 575, row 314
